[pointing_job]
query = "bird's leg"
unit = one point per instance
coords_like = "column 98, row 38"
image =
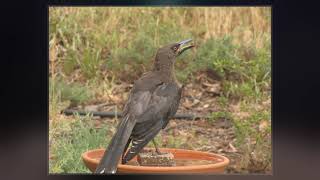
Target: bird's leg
column 122, row 158
column 156, row 146
column 124, row 151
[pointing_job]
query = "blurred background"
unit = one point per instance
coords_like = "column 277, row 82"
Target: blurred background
column 95, row 54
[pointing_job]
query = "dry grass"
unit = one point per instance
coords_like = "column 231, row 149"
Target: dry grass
column 247, row 24
column 103, row 33
column 101, row 48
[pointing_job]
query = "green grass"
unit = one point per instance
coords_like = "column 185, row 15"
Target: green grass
column 92, row 40
column 72, row 138
column 74, row 92
column 92, row 50
column 249, row 126
column 219, row 115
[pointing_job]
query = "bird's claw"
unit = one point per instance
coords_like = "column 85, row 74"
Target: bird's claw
column 158, row 152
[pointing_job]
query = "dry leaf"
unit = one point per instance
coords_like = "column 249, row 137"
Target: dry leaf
column 91, row 108
column 263, row 125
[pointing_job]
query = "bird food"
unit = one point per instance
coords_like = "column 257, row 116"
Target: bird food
column 154, row 159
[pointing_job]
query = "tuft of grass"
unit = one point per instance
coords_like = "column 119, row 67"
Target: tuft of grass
column 219, row 115
column 70, row 140
column 73, row 92
column 218, row 54
column 254, row 142
column 249, row 126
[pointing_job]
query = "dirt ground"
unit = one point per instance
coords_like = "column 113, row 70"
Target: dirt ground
column 199, row 134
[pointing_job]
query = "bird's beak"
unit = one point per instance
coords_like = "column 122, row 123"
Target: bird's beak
column 182, row 48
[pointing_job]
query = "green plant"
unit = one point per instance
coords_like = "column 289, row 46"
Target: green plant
column 248, row 127
column 73, row 92
column 219, row 115
column 254, row 142
column 223, row 102
column 71, row 139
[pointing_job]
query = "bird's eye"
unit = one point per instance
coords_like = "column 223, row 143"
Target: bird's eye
column 175, row 48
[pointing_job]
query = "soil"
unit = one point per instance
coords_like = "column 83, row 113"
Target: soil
column 198, row 98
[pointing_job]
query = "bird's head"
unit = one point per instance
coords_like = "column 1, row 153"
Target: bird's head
column 175, row 49
column 166, row 55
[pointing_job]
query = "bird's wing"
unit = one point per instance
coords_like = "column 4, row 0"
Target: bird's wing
column 151, row 121
column 145, row 112
column 174, row 106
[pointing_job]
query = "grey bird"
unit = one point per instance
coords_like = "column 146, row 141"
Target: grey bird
column 152, row 102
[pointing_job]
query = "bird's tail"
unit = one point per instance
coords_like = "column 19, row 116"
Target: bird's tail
column 111, row 157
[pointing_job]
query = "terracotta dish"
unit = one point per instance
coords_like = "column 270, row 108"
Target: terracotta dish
column 218, row 163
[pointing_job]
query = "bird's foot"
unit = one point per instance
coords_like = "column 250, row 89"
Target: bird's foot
column 159, row 152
